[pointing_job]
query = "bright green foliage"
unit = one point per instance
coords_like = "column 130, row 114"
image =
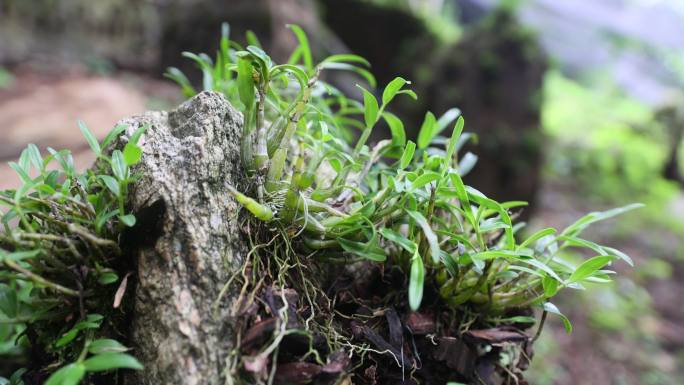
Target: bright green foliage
column 394, row 202
column 59, row 248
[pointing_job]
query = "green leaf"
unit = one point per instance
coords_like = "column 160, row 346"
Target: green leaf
column 245, row 83
column 392, row 88
column 370, row 107
column 135, row 138
column 128, row 220
column 407, row 156
column 92, row 141
column 68, row 375
column 107, row 278
column 449, row 116
column 345, row 57
column 103, row 346
column 352, row 68
column 132, row 154
column 111, row 361
column 111, row 183
column 119, row 166
column 179, row 77
column 399, row 239
column 582, row 223
column 427, row 130
column 430, row 235
column 365, row 250
column 23, row 174
column 416, row 282
column 424, row 179
column 589, row 267
column 551, row 308
column 467, row 163
column 396, row 127
column 303, row 45
column 455, row 135
column 536, row 236
column 113, row 134
column 34, row 156
column 550, row 286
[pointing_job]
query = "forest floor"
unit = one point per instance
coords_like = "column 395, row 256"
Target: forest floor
column 646, row 347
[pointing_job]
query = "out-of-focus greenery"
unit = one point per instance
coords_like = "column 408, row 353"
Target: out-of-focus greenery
column 606, row 141
column 610, row 148
column 606, row 148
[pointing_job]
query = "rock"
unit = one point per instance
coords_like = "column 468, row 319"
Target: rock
column 187, row 241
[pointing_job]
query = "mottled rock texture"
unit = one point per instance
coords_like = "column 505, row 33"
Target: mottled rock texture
column 187, row 241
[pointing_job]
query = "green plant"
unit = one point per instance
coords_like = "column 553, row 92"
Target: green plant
column 398, row 202
column 60, row 258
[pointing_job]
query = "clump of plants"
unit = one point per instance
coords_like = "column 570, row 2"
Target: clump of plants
column 370, row 259
column 61, row 264
column 371, row 263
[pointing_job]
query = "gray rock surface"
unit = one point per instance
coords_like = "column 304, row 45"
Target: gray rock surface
column 187, row 241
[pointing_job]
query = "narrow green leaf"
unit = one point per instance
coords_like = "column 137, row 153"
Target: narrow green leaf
column 245, row 83
column 68, row 375
column 424, row 179
column 399, row 239
column 427, row 130
column 364, row 250
column 589, row 267
column 370, row 107
column 392, row 88
column 407, row 156
column 110, row 361
column 396, row 127
column 551, row 308
column 455, row 135
column 582, row 223
column 449, row 116
column 92, row 141
column 103, row 346
column 303, row 45
column 111, row 183
column 35, row 157
column 113, row 134
column 119, row 167
column 416, row 282
column 430, row 235
column 536, row 236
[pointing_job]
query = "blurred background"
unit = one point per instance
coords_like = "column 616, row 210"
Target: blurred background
column 579, row 106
